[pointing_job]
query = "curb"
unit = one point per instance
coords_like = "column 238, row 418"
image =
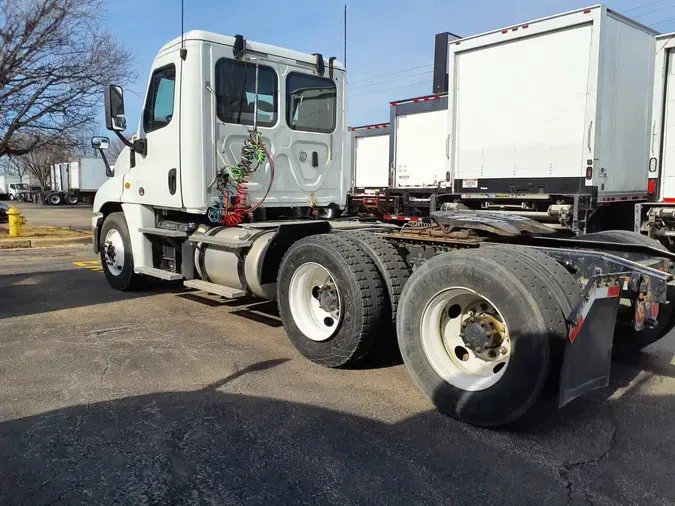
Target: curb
column 43, row 242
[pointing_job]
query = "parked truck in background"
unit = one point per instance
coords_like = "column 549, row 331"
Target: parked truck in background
column 75, row 181
column 8, row 186
column 233, row 188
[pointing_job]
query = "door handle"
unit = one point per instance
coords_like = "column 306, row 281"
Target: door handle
column 172, row 181
column 590, row 128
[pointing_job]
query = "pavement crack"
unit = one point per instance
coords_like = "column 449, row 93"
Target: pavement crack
column 566, row 467
column 107, row 364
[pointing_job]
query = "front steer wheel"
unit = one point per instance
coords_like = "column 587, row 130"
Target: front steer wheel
column 476, row 330
column 332, row 299
column 115, row 252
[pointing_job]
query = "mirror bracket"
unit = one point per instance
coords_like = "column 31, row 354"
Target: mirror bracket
column 140, row 146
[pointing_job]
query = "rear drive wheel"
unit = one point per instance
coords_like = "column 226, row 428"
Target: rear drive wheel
column 331, row 299
column 115, row 251
column 54, row 199
column 475, row 330
column 72, row 200
column 627, row 340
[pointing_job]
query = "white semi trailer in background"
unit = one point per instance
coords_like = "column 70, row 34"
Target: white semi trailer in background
column 562, row 139
column 369, row 148
column 75, row 181
column 232, row 188
column 656, row 218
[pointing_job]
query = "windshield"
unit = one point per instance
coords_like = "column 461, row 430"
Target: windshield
column 21, row 186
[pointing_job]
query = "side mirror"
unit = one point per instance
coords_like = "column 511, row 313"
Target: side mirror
column 100, row 142
column 114, row 109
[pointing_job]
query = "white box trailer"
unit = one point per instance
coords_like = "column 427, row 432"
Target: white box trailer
column 657, row 218
column 560, row 105
column 370, row 158
column 76, row 181
column 419, row 131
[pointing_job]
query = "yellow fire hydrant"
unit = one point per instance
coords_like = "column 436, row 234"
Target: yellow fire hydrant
column 15, row 221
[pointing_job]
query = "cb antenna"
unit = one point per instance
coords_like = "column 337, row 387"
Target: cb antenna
column 345, row 39
column 183, row 51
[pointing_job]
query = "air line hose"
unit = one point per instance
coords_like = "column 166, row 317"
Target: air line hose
column 253, row 155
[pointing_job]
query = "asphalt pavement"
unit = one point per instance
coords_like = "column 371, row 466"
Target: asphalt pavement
column 165, row 397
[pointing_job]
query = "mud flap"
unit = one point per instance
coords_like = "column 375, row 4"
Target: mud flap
column 588, row 353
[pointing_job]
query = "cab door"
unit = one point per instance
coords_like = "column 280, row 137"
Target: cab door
column 155, row 178
column 315, row 152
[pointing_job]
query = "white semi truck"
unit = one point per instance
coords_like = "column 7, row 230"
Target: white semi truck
column 75, row 181
column 234, row 182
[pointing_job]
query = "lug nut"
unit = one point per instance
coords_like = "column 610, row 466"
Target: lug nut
column 492, row 354
column 503, row 350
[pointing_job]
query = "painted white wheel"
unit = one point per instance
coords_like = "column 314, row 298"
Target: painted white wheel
column 465, row 339
column 314, row 301
column 114, row 252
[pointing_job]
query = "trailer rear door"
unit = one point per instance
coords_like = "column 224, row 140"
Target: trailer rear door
column 520, row 106
column 371, row 161
column 420, row 156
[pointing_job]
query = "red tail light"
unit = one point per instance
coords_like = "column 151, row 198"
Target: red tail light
column 651, row 187
column 589, row 173
column 447, row 177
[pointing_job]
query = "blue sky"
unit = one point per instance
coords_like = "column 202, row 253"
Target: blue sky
column 384, row 36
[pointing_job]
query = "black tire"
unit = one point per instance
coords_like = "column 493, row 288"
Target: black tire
column 531, row 313
column 362, row 299
column 11, row 197
column 627, row 340
column 567, row 293
column 54, row 199
column 390, row 264
column 126, row 280
column 72, row 200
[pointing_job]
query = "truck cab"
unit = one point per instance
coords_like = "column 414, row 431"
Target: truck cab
column 199, row 110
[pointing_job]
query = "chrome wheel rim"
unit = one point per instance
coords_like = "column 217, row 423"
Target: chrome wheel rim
column 465, row 339
column 113, row 252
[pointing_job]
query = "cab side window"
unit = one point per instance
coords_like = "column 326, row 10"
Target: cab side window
column 159, row 106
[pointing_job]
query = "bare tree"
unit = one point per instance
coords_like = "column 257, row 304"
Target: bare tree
column 38, row 162
column 54, row 60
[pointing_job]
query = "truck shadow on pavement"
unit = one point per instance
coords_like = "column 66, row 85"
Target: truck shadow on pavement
column 40, row 292
column 219, row 447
